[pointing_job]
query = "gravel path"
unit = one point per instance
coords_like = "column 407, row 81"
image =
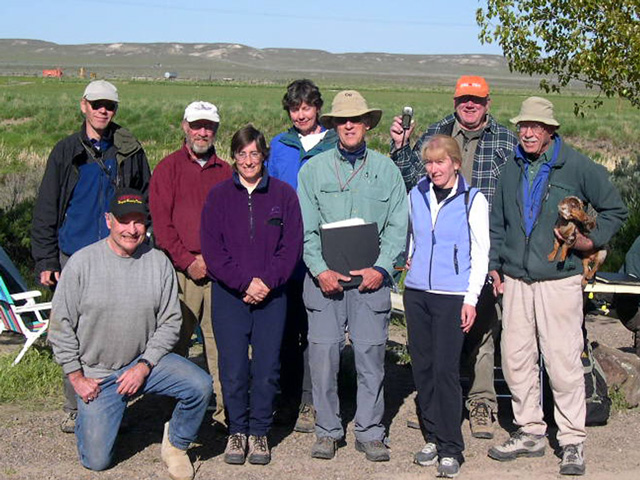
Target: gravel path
column 34, row 448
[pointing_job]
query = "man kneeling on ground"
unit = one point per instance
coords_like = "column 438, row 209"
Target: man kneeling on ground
column 115, row 319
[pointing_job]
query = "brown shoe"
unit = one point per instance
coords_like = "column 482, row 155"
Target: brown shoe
column 176, row 460
column 481, row 420
column 324, row 448
column 68, row 425
column 259, row 453
column 236, row 450
column 306, row 422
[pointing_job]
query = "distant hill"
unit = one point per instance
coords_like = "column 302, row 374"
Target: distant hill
column 218, row 61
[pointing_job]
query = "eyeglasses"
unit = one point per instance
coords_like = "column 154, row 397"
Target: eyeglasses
column 107, row 104
column 200, row 124
column 472, row 98
column 535, row 127
column 343, row 120
column 253, row 155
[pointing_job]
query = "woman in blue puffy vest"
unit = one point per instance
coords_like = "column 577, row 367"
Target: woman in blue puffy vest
column 448, row 267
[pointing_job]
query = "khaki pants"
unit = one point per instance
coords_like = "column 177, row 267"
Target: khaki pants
column 548, row 314
column 195, row 303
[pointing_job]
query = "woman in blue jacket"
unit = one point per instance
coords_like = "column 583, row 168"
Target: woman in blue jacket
column 448, row 267
column 251, row 238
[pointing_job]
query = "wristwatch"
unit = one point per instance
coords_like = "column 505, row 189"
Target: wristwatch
column 146, row 362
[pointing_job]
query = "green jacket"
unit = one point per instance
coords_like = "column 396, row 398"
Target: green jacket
column 376, row 194
column 522, row 257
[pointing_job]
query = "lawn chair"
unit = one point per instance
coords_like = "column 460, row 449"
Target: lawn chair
column 21, row 314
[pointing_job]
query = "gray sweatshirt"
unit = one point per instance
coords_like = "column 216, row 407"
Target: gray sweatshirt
column 107, row 310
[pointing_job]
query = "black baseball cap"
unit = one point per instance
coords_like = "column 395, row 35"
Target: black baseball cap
column 128, row 200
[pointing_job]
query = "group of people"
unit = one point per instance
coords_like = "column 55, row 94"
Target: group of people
column 240, row 253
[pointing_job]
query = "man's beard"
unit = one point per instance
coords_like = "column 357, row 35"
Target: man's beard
column 199, row 148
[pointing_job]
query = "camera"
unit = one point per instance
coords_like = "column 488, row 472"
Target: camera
column 407, row 116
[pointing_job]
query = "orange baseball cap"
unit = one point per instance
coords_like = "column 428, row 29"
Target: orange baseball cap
column 471, row 85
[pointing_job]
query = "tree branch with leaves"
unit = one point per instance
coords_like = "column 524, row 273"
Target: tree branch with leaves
column 596, row 42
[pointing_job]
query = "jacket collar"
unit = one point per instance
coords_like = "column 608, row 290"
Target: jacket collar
column 262, row 184
column 425, row 183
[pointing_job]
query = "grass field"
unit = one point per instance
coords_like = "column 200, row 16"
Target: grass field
column 36, row 113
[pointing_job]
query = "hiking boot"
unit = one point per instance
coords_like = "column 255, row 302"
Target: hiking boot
column 375, row 450
column 306, row 422
column 448, row 467
column 413, row 421
column 324, row 448
column 520, row 444
column 427, row 456
column 176, row 460
column 572, row 460
column 236, row 450
column 259, row 453
column 68, row 425
column 481, row 420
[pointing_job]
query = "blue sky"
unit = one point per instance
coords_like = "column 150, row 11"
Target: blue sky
column 421, row 27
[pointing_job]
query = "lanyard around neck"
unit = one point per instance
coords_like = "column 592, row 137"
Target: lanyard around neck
column 343, row 186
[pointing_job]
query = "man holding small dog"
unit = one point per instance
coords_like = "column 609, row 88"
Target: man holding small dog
column 543, row 299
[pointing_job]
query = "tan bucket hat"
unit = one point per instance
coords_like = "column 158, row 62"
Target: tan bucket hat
column 536, row 109
column 348, row 104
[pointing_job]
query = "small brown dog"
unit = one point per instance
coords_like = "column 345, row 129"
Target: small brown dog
column 573, row 219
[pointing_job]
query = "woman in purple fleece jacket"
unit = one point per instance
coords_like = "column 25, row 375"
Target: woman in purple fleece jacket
column 251, row 236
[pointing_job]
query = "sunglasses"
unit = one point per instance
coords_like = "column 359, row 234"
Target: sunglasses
column 106, row 104
column 343, row 120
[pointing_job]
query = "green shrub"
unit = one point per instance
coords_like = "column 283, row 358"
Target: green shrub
column 15, row 226
column 626, row 177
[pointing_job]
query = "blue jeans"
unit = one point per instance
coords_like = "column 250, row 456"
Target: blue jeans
column 174, row 376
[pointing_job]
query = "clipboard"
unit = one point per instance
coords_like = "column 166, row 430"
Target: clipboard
column 352, row 247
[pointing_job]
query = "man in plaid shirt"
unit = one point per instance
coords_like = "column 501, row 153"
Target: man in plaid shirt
column 485, row 147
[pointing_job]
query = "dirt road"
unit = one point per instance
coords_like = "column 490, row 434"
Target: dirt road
column 33, row 448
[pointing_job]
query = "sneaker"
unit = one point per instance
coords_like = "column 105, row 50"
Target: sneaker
column 236, row 450
column 448, row 467
column 68, row 425
column 427, row 456
column 324, row 448
column 572, row 460
column 375, row 450
column 481, row 420
column 520, row 444
column 259, row 453
column 306, row 422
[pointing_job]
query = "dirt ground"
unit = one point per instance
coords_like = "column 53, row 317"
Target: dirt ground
column 32, row 446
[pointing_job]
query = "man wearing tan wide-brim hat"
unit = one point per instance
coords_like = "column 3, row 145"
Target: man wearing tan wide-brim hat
column 542, row 298
column 350, row 181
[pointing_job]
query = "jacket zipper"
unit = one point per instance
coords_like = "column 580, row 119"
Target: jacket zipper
column 251, row 223
column 525, row 258
column 433, row 239
column 455, row 258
